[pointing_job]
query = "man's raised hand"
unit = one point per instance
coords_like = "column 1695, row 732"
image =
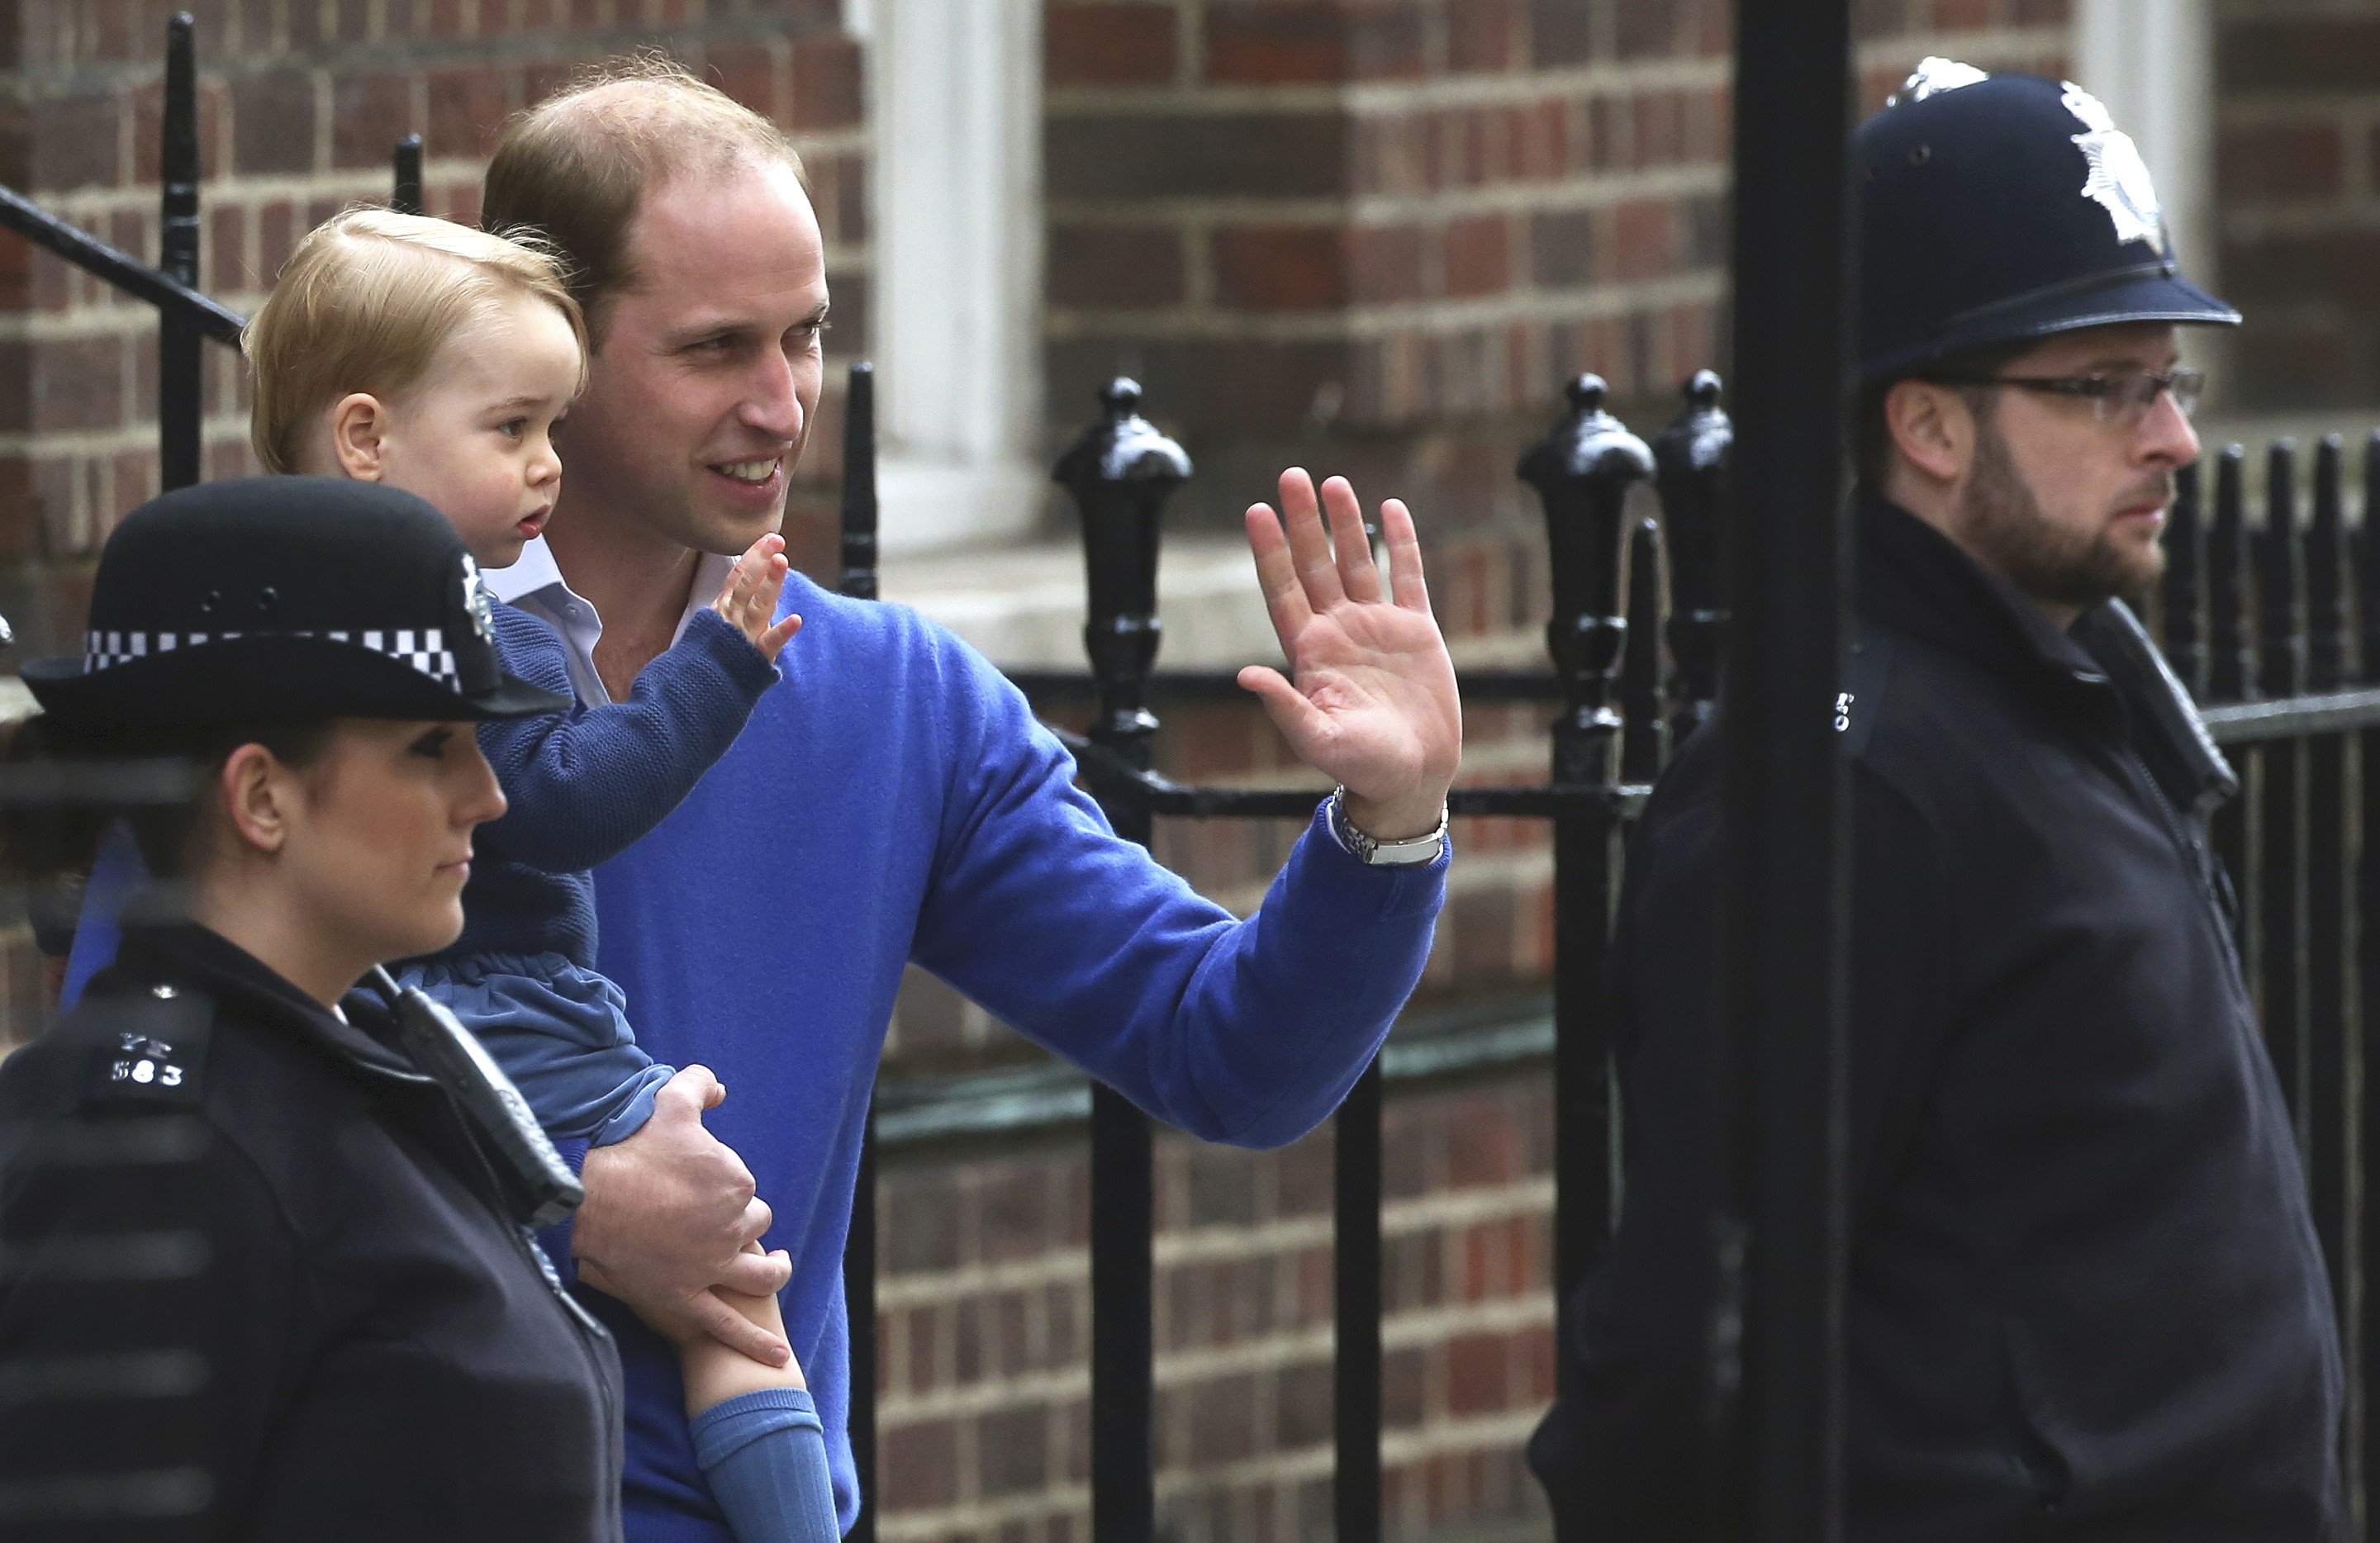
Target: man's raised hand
column 749, row 599
column 1369, row 701
column 668, row 1215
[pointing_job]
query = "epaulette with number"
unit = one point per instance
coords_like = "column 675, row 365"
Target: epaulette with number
column 146, row 1045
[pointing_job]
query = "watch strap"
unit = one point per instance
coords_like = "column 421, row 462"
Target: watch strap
column 1412, row 852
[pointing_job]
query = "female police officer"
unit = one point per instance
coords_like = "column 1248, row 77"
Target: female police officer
column 262, row 1252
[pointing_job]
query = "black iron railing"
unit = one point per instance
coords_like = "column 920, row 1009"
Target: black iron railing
column 2274, row 621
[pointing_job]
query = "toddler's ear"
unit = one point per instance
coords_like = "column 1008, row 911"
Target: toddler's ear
column 359, row 436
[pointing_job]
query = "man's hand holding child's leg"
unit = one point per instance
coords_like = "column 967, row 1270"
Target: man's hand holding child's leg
column 668, row 1215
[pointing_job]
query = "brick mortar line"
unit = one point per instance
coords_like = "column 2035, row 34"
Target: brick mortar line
column 1388, row 97
column 237, row 60
column 2335, row 218
column 2257, row 111
column 1571, row 192
column 252, row 191
column 111, row 442
column 1275, row 1350
column 1515, row 1198
column 1377, row 323
column 1399, row 1448
column 1992, row 46
column 936, row 1525
column 1403, row 1447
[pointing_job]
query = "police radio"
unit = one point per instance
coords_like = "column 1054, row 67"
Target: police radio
column 539, row 1187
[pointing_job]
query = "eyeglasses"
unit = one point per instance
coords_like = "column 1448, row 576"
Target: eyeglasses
column 2122, row 398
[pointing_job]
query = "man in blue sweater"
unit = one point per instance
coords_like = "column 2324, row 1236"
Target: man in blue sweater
column 893, row 798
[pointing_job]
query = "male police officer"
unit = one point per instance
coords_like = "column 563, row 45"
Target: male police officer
column 2085, row 1293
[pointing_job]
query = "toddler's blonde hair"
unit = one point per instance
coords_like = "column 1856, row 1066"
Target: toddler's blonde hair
column 364, row 304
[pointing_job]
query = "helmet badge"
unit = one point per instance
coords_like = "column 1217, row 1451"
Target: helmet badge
column 1935, row 75
column 2119, row 179
column 479, row 604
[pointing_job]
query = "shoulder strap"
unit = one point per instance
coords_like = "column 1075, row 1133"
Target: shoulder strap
column 147, row 1044
column 1867, row 670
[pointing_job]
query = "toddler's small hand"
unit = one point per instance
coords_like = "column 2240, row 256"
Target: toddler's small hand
column 749, row 597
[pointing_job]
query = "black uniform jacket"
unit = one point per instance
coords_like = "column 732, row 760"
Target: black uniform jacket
column 261, row 1283
column 2086, row 1299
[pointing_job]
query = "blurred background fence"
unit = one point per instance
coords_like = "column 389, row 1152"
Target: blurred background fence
column 1376, row 240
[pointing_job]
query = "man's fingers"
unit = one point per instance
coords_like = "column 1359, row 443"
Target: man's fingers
column 1276, row 574
column 755, row 1222
column 758, row 1274
column 1406, row 585
column 738, row 1332
column 691, row 1091
column 1309, row 545
column 1357, row 574
column 1300, row 722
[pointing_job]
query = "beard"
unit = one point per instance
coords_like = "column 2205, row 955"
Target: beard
column 2002, row 522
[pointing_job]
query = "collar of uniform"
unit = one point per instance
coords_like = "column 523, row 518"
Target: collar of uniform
column 1914, row 578
column 189, row 954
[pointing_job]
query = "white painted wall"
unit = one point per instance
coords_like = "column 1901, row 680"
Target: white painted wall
column 2153, row 63
column 956, row 193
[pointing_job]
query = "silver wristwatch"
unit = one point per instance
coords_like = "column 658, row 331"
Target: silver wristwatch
column 1412, row 852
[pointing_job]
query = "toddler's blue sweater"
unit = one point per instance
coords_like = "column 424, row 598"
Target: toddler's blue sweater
column 582, row 785
column 893, row 799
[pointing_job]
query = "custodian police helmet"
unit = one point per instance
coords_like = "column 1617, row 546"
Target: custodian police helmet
column 2004, row 207
column 285, row 597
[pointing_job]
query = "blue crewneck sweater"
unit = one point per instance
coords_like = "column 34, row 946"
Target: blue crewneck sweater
column 582, row 785
column 893, row 799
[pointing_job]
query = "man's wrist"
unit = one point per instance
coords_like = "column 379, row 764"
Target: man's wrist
column 1401, row 820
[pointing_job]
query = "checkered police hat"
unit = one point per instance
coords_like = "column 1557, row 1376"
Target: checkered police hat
column 1997, row 208
column 285, row 597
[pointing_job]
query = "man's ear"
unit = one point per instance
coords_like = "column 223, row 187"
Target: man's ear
column 1933, row 428
column 256, row 789
column 359, row 436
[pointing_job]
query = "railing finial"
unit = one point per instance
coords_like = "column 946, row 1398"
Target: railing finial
column 1120, row 472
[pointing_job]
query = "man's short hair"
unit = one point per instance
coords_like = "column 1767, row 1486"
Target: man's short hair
column 365, row 303
column 576, row 167
column 1872, row 447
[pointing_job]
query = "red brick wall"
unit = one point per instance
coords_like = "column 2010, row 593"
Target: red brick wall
column 300, row 103
column 2298, row 195
column 985, row 1314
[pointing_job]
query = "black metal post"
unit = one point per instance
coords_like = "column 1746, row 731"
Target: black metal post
column 1690, row 457
column 2183, row 596
column 2363, row 1247
column 1784, row 913
column 1645, row 738
column 1355, row 1283
column 2335, row 1060
column 1583, row 470
column 2231, row 676
column 859, row 484
column 407, row 196
column 2280, row 794
column 858, row 581
column 181, row 391
column 1120, row 472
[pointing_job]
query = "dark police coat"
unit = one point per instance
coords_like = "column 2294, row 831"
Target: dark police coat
column 328, row 1331
column 2086, row 1299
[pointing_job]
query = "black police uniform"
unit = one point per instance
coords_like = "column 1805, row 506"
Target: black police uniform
column 2085, row 1292
column 2085, row 1296
column 264, row 1271
column 351, row 1339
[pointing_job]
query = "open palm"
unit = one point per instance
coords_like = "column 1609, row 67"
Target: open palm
column 1369, row 701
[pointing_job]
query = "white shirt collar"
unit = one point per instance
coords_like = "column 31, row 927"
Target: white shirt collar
column 534, row 583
